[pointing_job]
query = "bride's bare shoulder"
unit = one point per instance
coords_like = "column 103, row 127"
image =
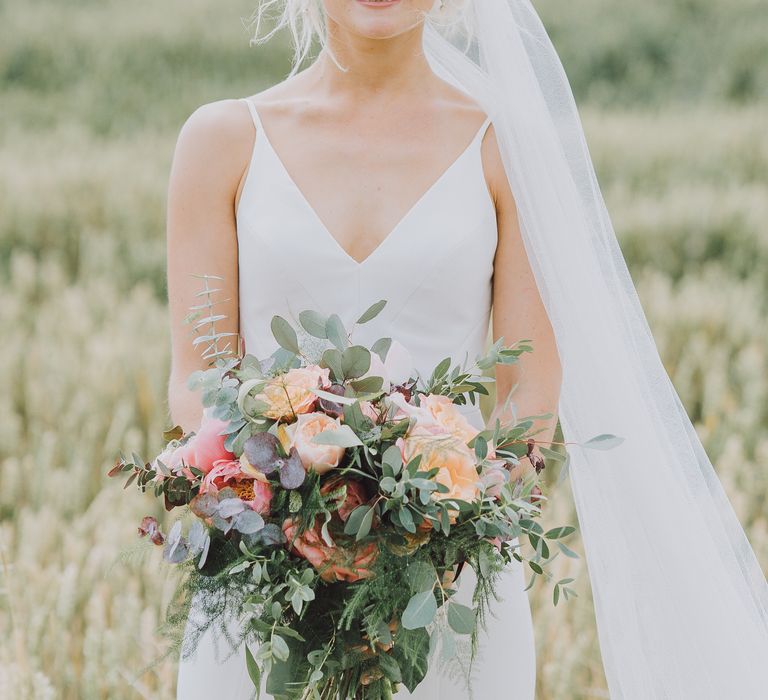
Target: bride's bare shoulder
column 216, row 137
column 219, row 134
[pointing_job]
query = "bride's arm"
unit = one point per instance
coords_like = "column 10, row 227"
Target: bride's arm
column 208, row 163
column 518, row 312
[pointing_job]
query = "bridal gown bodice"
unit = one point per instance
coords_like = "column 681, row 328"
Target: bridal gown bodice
column 435, row 270
column 434, row 267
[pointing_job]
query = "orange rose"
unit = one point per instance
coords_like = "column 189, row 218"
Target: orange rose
column 291, row 393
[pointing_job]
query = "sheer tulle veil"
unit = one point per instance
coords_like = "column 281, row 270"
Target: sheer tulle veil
column 680, row 598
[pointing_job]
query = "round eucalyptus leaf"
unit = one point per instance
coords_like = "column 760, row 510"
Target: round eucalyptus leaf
column 461, row 618
column 420, row 610
column 261, row 451
column 292, row 472
column 204, row 505
column 248, row 522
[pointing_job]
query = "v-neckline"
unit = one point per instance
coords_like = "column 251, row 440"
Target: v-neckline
column 401, row 221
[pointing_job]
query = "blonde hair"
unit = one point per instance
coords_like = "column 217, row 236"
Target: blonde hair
column 305, row 19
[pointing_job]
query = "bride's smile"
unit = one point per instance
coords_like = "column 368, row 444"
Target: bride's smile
column 377, row 19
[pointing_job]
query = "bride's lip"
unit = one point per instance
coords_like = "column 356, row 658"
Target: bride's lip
column 378, row 3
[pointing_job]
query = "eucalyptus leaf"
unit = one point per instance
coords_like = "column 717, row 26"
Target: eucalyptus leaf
column 381, row 347
column 248, row 522
column 420, row 610
column 292, row 473
column 355, row 361
column 253, row 668
column 230, row 507
column 481, row 447
column 280, row 648
column 461, row 618
column 394, row 458
column 285, row 334
column 567, row 551
column 551, row 454
column 355, row 518
column 370, row 385
column 335, row 398
column 314, row 323
column 332, row 359
column 412, row 653
column 335, row 331
column 365, row 524
column 421, row 576
column 605, row 441
column 343, row 436
column 406, row 519
column 558, row 532
column 373, row 311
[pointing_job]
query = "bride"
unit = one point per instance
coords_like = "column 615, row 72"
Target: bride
column 453, row 179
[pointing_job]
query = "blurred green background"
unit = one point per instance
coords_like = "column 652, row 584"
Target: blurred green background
column 92, row 94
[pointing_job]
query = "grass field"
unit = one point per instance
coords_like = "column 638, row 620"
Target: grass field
column 93, row 95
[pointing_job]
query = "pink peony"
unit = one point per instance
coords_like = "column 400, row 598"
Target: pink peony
column 205, row 447
column 227, row 473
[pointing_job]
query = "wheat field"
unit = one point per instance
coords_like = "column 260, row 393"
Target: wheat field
column 93, row 96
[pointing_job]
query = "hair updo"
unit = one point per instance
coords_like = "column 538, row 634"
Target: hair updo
column 305, row 19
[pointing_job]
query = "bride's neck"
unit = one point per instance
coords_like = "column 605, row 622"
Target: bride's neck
column 375, row 66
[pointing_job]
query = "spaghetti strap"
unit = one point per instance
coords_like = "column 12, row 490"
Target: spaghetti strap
column 254, row 114
column 483, row 128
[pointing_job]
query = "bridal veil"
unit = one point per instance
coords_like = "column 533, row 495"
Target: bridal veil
column 679, row 596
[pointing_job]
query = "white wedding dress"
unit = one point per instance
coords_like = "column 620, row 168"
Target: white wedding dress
column 434, row 269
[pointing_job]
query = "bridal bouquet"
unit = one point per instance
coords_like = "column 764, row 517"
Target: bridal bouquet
column 332, row 500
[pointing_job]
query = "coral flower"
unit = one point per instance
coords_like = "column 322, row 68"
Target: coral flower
column 227, row 473
column 332, row 563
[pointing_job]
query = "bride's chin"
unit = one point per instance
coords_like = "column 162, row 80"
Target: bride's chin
column 374, row 20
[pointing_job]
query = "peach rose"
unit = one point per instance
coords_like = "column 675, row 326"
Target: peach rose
column 447, row 414
column 291, row 393
column 454, row 461
column 227, row 473
column 435, row 415
column 321, row 458
column 331, row 562
column 205, row 447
